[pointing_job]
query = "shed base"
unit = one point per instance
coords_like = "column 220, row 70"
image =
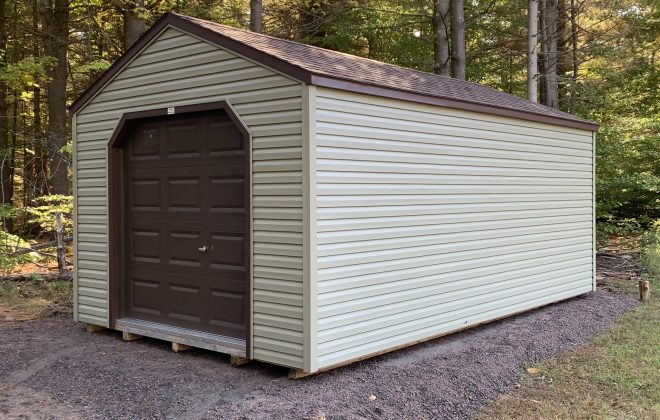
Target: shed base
column 295, row 373
column 183, row 336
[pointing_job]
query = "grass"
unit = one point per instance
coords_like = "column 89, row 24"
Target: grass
column 616, row 376
column 22, row 300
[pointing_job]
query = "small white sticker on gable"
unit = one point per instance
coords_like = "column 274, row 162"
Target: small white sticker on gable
column 170, row 110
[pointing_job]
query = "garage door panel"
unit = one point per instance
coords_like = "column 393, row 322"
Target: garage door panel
column 185, row 192
column 227, row 250
column 145, row 193
column 186, row 227
column 144, row 143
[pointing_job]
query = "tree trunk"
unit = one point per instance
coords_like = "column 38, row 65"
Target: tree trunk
column 134, row 25
column 562, row 57
column 5, row 153
column 457, row 39
column 574, row 57
column 532, row 52
column 35, row 179
column 61, row 251
column 549, row 48
column 574, row 40
column 256, row 16
column 441, row 63
column 56, row 32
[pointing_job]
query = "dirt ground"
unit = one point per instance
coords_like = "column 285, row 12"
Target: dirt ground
column 52, row 368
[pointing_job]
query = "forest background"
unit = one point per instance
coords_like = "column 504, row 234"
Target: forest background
column 597, row 59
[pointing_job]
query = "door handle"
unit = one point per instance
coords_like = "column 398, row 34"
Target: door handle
column 203, row 249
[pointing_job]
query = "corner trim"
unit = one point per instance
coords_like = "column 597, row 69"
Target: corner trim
column 310, row 359
column 593, row 210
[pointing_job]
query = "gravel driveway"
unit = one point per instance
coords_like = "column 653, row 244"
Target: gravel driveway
column 52, row 368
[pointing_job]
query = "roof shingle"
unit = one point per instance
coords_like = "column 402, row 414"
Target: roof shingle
column 337, row 65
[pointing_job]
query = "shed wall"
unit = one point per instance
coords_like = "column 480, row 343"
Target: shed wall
column 179, row 69
column 430, row 220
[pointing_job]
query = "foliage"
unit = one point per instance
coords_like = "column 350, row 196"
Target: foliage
column 619, row 88
column 46, row 208
column 8, row 245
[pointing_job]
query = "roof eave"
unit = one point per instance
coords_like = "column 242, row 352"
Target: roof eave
column 347, row 85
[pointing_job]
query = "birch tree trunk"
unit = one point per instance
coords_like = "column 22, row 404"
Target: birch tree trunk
column 134, row 25
column 532, row 52
column 457, row 39
column 56, row 41
column 256, row 18
column 441, row 62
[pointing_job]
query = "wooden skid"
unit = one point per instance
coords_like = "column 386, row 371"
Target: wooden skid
column 127, row 336
column 178, row 347
column 91, row 328
column 295, row 373
column 239, row 361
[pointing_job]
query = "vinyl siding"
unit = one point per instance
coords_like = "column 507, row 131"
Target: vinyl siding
column 430, row 220
column 179, row 69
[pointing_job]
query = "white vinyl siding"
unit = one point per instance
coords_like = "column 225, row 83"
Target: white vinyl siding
column 430, row 220
column 179, row 69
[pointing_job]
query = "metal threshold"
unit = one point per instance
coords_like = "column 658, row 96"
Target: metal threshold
column 200, row 339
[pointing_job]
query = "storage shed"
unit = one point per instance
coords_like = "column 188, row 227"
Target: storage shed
column 308, row 208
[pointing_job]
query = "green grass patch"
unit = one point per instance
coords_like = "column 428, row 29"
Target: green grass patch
column 616, row 376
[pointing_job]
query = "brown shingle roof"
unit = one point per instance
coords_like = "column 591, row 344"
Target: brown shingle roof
column 318, row 66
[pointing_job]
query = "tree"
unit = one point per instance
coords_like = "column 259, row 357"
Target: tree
column 35, row 170
column 134, row 24
column 56, row 42
column 6, row 184
column 549, row 48
column 457, row 39
column 256, row 18
column 532, row 57
column 441, row 62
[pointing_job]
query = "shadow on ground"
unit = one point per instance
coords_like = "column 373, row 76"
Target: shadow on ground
column 52, row 368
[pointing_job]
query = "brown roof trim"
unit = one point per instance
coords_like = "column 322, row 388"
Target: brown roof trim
column 403, row 95
column 171, row 19
column 308, row 77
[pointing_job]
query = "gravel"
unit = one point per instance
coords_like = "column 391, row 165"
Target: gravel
column 52, row 368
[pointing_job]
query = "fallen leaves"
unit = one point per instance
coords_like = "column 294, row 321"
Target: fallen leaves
column 533, row 370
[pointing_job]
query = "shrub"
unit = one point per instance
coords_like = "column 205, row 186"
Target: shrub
column 8, row 245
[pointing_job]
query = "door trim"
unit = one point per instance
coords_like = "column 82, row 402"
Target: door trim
column 116, row 203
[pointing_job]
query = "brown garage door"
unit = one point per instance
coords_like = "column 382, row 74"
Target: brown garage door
column 186, row 209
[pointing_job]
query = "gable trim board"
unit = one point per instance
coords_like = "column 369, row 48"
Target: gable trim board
column 309, row 77
column 379, row 218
